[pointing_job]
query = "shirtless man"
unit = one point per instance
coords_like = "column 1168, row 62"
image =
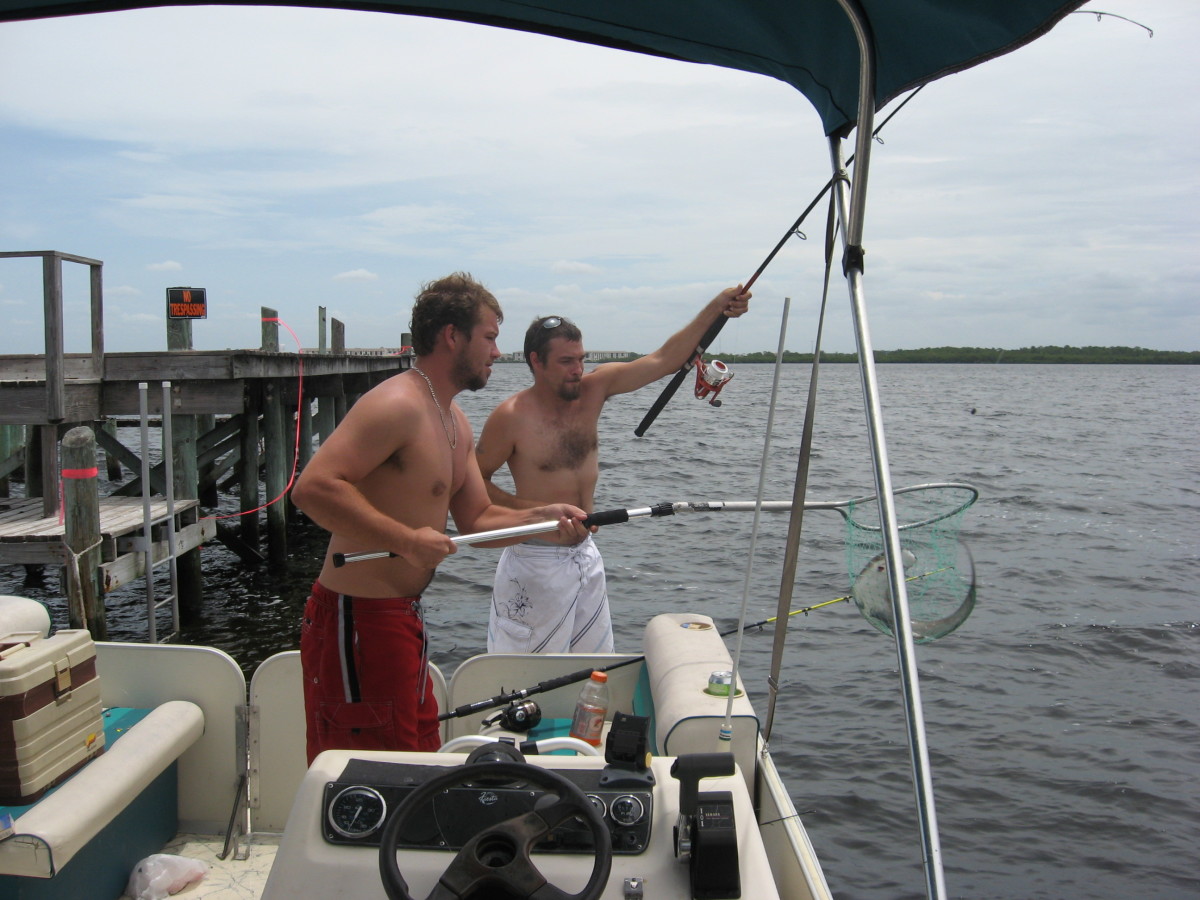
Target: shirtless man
column 549, row 594
column 399, row 462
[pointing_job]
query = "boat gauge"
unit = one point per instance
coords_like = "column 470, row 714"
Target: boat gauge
column 626, row 810
column 357, row 812
column 598, row 804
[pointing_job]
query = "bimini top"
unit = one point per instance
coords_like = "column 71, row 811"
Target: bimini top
column 808, row 44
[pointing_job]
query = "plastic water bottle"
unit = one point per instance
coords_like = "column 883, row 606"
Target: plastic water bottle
column 591, row 709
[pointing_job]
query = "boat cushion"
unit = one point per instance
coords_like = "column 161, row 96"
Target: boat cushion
column 682, row 651
column 51, row 832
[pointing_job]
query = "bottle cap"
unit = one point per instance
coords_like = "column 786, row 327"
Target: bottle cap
column 599, row 676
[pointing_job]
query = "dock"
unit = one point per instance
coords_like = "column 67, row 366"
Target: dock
column 29, row 538
column 239, row 420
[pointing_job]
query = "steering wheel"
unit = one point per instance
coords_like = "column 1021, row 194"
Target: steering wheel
column 499, row 856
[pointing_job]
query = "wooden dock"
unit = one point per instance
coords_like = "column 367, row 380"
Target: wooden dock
column 29, row 538
column 237, row 418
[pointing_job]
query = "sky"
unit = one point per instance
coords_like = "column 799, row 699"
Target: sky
column 298, row 159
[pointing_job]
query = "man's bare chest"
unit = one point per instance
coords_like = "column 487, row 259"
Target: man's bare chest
column 568, row 448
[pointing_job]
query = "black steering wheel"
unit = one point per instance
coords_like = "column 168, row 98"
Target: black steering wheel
column 498, row 856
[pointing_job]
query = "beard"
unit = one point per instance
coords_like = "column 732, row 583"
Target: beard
column 467, row 377
column 570, row 390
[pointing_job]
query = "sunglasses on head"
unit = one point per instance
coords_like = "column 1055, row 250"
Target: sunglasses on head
column 551, row 321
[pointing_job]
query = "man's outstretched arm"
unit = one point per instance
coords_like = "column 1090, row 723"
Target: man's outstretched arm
column 621, row 378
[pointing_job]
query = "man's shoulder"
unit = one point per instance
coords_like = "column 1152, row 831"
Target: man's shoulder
column 399, row 388
column 511, row 404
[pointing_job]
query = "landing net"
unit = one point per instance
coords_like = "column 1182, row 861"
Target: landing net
column 939, row 574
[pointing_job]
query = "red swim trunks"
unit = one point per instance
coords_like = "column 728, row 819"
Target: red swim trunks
column 365, row 678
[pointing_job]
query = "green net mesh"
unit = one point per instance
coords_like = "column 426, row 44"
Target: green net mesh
column 939, row 574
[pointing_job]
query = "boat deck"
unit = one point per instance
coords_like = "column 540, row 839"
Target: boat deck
column 228, row 879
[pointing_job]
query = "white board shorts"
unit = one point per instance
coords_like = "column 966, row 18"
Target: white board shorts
column 550, row 599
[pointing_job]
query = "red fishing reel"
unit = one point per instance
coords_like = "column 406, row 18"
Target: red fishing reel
column 710, row 378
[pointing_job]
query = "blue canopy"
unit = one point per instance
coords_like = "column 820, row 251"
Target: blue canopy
column 808, row 44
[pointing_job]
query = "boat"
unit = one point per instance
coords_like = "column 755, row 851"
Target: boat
column 684, row 799
column 228, row 759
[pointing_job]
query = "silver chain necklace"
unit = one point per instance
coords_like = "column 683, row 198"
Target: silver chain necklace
column 452, row 431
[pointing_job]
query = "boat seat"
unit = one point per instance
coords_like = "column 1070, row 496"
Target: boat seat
column 682, row 651
column 20, row 615
column 278, row 755
column 51, row 832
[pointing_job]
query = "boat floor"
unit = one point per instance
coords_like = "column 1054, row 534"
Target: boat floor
column 228, row 879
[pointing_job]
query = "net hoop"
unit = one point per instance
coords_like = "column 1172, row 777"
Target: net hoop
column 963, row 495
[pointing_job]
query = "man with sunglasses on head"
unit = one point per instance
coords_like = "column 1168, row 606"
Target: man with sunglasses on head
column 549, row 594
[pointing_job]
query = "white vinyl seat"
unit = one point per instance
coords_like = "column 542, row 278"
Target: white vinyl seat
column 49, row 834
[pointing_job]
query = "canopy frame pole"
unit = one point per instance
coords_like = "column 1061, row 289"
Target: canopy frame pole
column 851, row 203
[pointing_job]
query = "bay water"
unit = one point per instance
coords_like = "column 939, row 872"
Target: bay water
column 1062, row 718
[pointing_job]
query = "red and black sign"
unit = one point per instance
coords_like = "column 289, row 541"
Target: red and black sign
column 186, row 303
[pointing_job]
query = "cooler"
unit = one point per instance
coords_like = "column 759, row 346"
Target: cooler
column 50, row 715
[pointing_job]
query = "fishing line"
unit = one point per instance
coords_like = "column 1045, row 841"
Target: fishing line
column 580, row 675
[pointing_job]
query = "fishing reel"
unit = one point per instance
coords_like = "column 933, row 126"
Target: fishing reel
column 519, row 716
column 710, row 378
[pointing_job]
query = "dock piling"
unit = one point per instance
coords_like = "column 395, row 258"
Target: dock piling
column 85, row 606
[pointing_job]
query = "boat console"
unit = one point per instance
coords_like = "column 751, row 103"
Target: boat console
column 357, row 805
column 491, row 825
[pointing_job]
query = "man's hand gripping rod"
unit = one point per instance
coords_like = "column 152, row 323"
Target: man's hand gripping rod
column 607, row 517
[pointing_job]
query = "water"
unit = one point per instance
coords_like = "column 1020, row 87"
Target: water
column 1061, row 718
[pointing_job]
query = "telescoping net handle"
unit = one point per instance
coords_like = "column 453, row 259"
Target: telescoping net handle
column 940, row 575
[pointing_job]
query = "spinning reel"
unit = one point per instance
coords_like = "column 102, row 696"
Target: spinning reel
column 517, row 716
column 710, row 378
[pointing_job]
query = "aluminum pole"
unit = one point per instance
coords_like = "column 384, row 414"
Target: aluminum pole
column 851, row 209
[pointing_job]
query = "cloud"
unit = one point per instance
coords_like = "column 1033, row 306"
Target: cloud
column 618, row 189
column 122, row 290
column 571, row 267
column 356, row 275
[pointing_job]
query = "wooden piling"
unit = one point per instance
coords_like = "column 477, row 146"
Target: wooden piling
column 275, row 445
column 275, row 448
column 305, row 450
column 112, row 461
column 85, row 606
column 248, row 495
column 12, row 454
column 184, row 454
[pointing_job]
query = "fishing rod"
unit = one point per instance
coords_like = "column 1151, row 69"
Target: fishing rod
column 606, row 517
column 570, row 678
column 715, row 328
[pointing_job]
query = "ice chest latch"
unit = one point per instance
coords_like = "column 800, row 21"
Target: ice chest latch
column 62, row 680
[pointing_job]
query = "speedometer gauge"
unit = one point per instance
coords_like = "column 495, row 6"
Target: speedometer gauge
column 357, row 812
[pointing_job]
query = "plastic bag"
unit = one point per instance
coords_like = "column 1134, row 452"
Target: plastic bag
column 160, row 875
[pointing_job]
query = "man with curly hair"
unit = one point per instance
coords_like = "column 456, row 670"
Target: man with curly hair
column 398, row 464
